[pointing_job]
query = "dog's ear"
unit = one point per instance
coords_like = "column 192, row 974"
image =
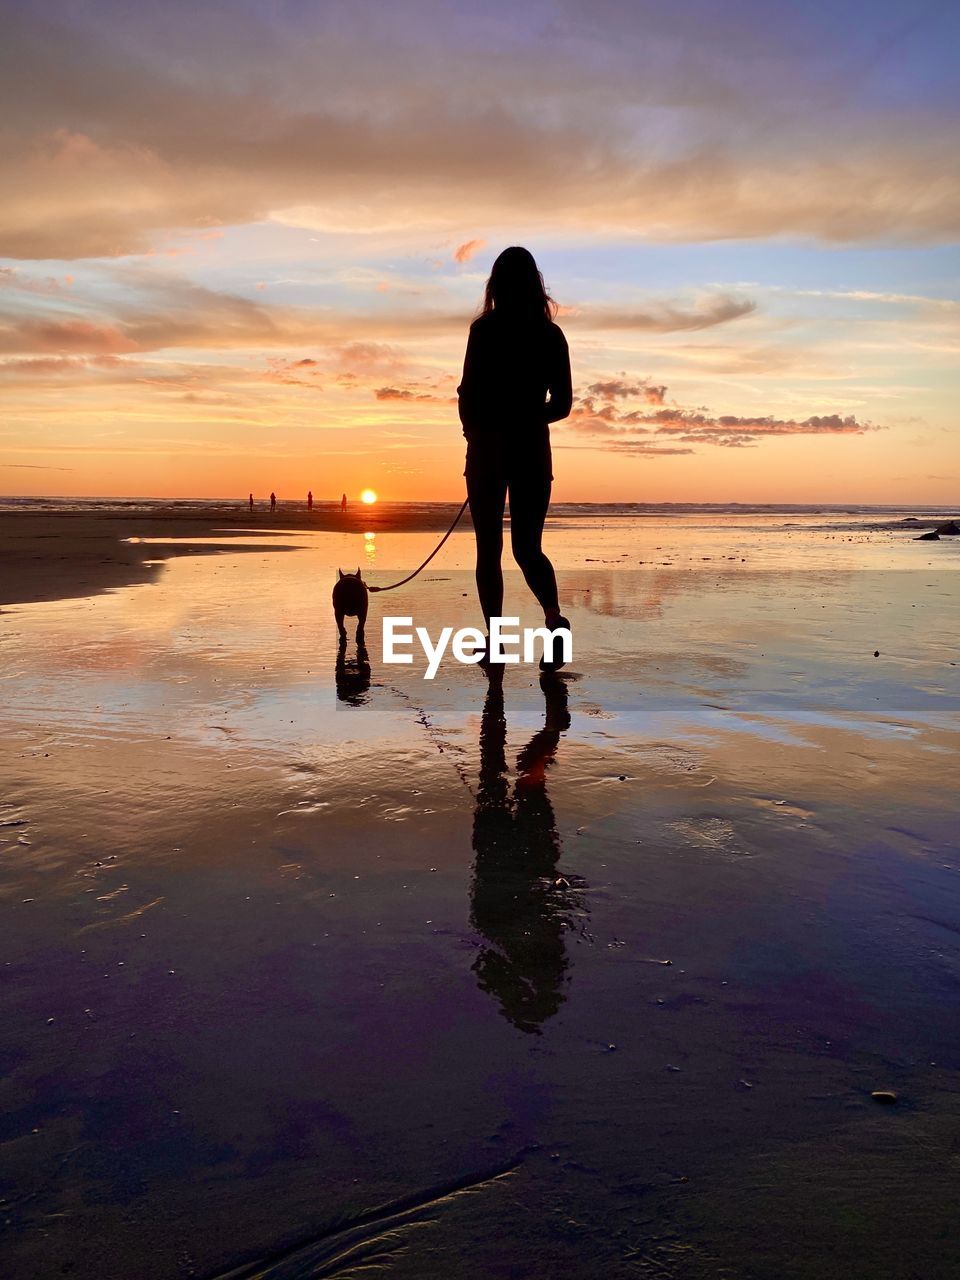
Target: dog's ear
column 358, row 571
column 339, row 574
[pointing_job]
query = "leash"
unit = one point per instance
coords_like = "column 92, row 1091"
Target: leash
column 411, row 576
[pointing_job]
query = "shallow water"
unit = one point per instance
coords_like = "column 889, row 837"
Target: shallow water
column 600, row 973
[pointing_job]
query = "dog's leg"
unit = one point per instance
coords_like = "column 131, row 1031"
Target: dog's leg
column 361, row 620
column 338, row 614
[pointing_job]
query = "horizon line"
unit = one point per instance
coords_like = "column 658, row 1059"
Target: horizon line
column 381, row 502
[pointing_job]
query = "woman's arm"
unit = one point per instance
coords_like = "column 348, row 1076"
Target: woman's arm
column 561, row 382
column 467, row 390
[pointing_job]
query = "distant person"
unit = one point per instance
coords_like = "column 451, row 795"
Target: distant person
column 310, row 501
column 515, row 356
column 273, row 503
column 343, row 503
column 251, row 502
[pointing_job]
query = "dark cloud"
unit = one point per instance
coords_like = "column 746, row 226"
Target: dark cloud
column 33, row 466
column 123, row 125
column 53, row 366
column 394, row 393
column 727, row 427
column 619, row 429
column 623, row 389
column 64, row 335
column 633, row 448
column 169, row 311
column 666, row 317
column 408, row 393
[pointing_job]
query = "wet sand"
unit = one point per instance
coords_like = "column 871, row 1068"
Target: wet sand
column 58, row 555
column 309, row 962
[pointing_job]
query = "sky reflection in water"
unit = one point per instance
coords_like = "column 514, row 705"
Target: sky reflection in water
column 400, row 924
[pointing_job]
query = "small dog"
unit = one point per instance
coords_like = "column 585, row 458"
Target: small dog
column 350, row 599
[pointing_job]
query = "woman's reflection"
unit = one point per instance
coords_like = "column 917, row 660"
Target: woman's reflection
column 519, row 901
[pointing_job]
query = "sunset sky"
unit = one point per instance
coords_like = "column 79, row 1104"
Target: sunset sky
column 241, row 243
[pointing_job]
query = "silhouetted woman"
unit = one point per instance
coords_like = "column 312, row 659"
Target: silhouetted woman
column 516, row 357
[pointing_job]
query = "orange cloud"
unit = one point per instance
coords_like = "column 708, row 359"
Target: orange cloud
column 70, row 335
column 464, row 252
column 301, row 373
column 369, row 358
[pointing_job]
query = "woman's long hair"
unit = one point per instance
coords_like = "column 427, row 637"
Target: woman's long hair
column 516, row 289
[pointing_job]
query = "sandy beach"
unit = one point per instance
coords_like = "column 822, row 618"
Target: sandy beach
column 309, row 963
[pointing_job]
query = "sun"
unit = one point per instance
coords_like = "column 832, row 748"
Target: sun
column 369, row 497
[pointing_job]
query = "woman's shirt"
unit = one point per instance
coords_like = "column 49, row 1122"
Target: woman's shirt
column 508, row 371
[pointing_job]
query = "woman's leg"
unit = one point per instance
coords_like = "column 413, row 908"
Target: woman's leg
column 529, row 502
column 487, row 491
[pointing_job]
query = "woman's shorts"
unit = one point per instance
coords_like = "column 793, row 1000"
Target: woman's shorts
column 523, row 456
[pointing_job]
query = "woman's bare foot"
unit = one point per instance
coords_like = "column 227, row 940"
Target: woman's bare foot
column 553, row 658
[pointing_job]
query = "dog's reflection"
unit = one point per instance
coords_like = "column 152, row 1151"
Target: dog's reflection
column 352, row 675
column 520, row 902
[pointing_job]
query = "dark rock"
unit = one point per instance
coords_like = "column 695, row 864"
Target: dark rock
column 932, row 536
column 886, row 1097
column 949, row 530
